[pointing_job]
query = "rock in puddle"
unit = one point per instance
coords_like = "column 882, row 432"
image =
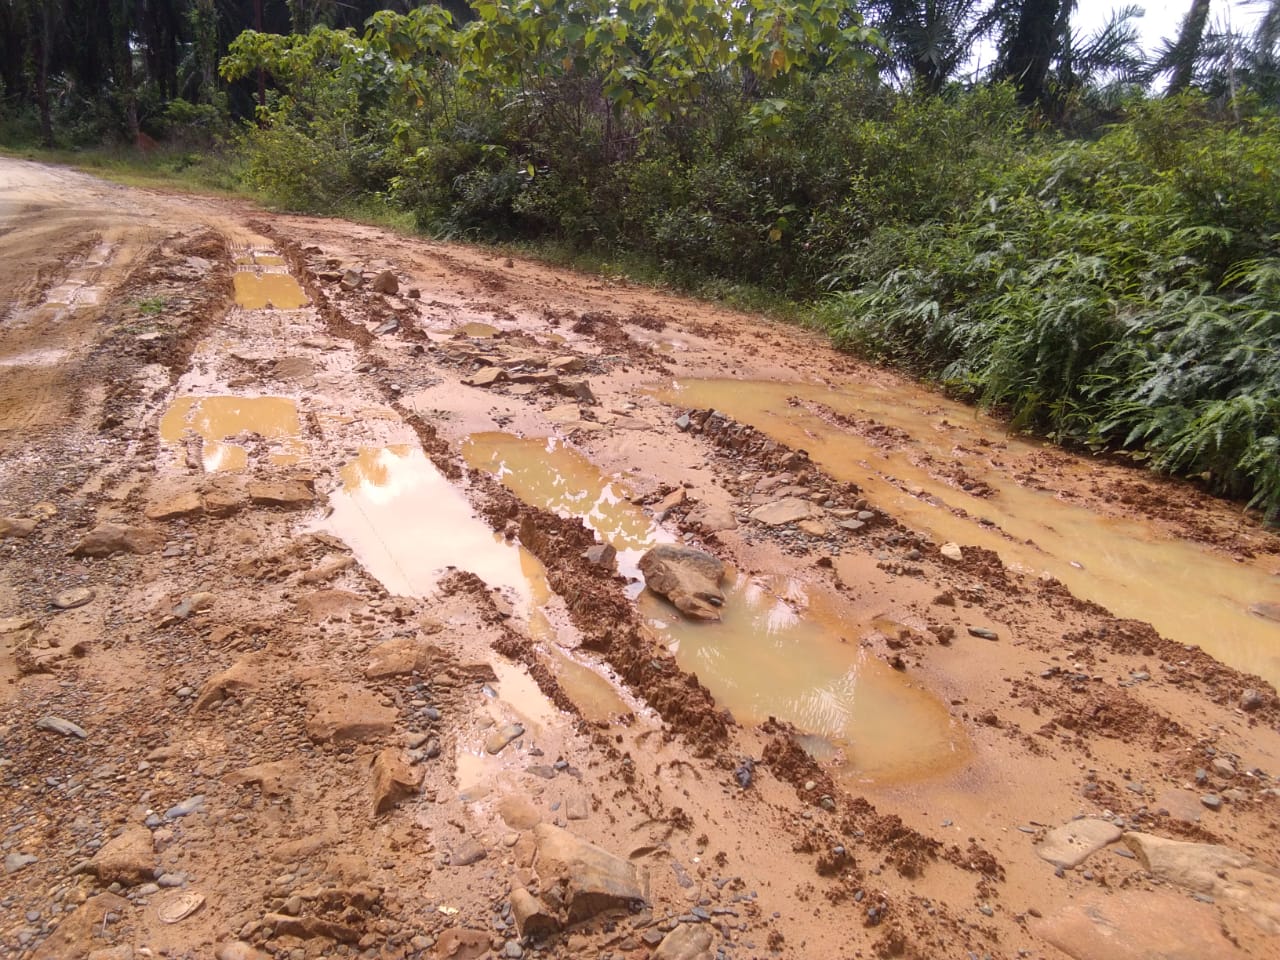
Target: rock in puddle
column 1071, row 844
column 497, row 741
column 689, row 578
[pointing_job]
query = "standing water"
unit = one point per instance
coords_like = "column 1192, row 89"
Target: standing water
column 1187, row 593
column 779, row 651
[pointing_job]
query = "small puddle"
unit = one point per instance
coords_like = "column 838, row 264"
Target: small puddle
column 408, row 525
column 779, row 652
column 267, row 291
column 781, row 656
column 549, row 474
column 1188, row 594
column 219, row 419
column 593, row 694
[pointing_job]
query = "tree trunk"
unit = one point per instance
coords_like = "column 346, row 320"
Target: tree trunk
column 1031, row 49
column 42, row 73
column 1186, row 51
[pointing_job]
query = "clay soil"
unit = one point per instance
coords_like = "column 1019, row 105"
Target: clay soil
column 304, row 752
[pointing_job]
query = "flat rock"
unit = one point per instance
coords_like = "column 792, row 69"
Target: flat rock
column 784, row 511
column 83, row 930
column 400, row 656
column 1136, row 925
column 75, row 597
column 238, row 950
column 128, row 859
column 242, row 676
column 172, row 506
column 689, row 941
column 109, row 538
column 814, row 528
column 392, row 780
column 498, row 740
column 349, row 715
column 13, row 862
column 1072, row 843
column 280, row 493
column 711, row 518
column 581, row 877
column 518, row 813
column 466, row 852
column 689, row 578
column 486, row 377
column 1230, row 876
column 64, row 727
column 276, row 778
column 458, row 943
column 18, row 528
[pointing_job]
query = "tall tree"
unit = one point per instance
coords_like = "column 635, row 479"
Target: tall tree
column 1034, row 37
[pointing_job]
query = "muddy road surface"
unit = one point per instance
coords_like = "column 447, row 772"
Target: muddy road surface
column 323, row 633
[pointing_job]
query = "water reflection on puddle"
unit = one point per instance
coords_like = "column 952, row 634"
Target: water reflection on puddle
column 217, row 419
column 259, row 291
column 1187, row 593
column 547, row 473
column 780, row 652
column 408, row 524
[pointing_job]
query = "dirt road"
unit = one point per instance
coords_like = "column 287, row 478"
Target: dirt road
column 322, row 631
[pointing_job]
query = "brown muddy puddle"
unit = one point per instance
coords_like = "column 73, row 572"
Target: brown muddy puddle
column 268, row 291
column 547, row 473
column 1188, row 594
column 408, row 526
column 216, row 420
column 770, row 656
column 781, row 651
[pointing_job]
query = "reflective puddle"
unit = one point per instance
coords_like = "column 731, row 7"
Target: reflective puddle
column 215, row 420
column 266, row 291
column 1188, row 594
column 547, row 473
column 780, row 652
column 407, row 524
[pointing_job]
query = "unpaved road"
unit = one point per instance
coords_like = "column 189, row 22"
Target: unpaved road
column 299, row 556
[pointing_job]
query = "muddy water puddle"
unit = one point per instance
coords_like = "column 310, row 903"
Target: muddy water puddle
column 220, row 419
column 1188, row 594
column 547, row 473
column 408, row 525
column 772, row 655
column 268, row 291
column 781, row 651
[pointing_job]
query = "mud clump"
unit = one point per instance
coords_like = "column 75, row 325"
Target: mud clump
column 609, row 622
